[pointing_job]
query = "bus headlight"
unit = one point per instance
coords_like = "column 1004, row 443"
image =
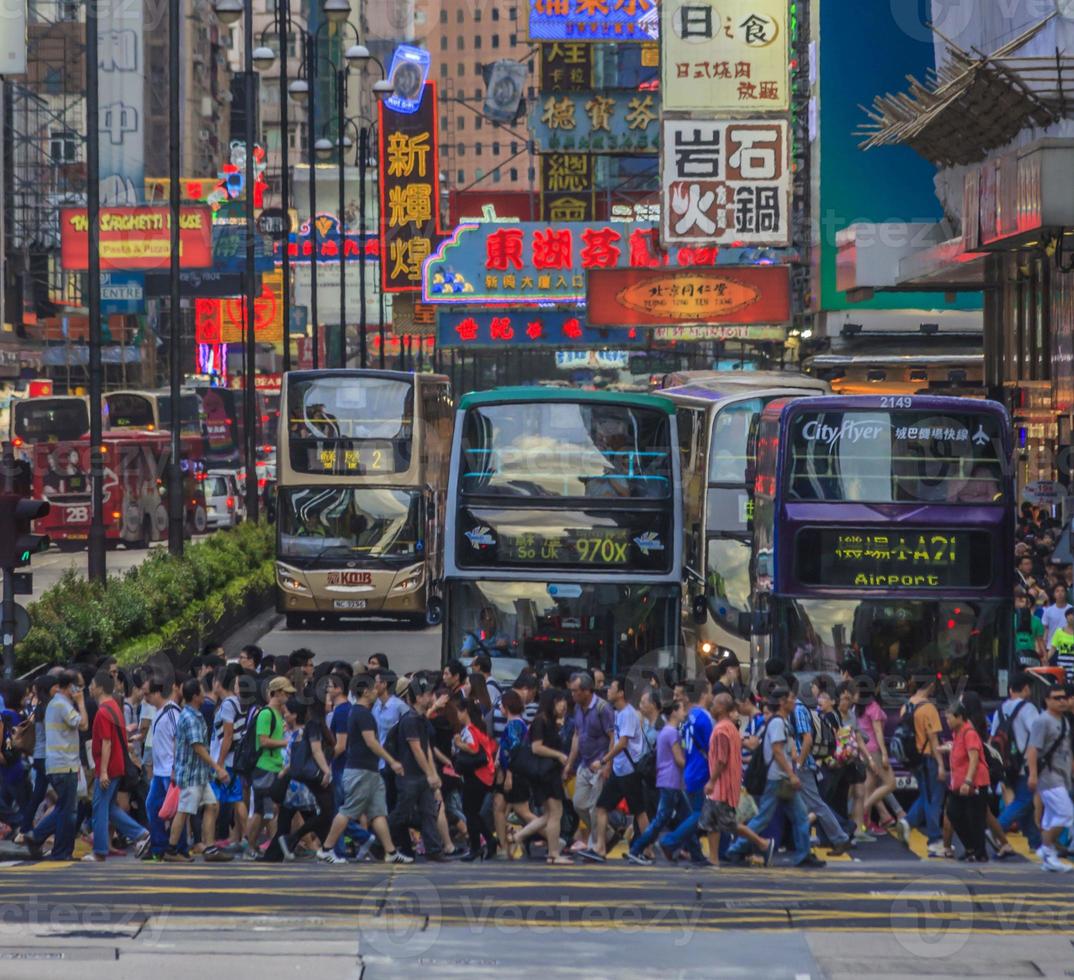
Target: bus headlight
column 408, row 584
column 291, row 584
column 706, row 648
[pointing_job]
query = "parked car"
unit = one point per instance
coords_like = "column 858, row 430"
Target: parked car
column 223, row 498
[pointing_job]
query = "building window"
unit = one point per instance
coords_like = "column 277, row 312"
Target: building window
column 460, row 176
column 514, row 173
column 495, row 40
column 479, row 122
column 460, row 44
column 53, row 81
column 477, row 71
column 460, row 69
column 458, row 16
column 443, row 69
column 479, row 148
column 443, row 42
column 460, row 123
column 477, row 42
column 514, row 147
column 496, row 148
column 443, row 16
column 532, row 174
column 495, row 13
column 479, row 174
column 443, row 122
column 512, row 13
column 513, row 40
column 496, row 175
column 477, row 16
column 63, row 146
column 460, row 148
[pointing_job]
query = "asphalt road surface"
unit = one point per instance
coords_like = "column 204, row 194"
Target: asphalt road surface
column 407, row 648
column 895, row 915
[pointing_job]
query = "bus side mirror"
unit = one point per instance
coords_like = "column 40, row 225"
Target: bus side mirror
column 434, row 611
column 701, row 609
column 756, row 623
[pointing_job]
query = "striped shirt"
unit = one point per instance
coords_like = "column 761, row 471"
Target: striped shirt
column 61, row 736
column 189, row 769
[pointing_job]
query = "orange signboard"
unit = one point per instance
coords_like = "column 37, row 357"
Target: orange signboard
column 220, row 321
column 653, row 297
column 137, row 238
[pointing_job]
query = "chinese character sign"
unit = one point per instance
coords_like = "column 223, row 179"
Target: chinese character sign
column 222, row 321
column 594, row 20
column 534, row 262
column 567, row 187
column 729, row 56
column 725, row 182
column 566, row 66
column 409, row 192
column 534, row 328
column 607, row 121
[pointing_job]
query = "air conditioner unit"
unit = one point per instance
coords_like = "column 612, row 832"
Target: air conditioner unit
column 204, row 134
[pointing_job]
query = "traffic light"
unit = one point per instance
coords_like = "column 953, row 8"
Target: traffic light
column 18, row 543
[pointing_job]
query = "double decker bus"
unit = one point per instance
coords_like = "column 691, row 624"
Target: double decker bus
column 47, row 419
column 563, row 539
column 882, row 530
column 135, row 488
column 361, row 483
column 714, row 416
column 151, row 411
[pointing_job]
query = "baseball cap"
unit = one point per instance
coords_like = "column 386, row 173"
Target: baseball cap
column 281, row 684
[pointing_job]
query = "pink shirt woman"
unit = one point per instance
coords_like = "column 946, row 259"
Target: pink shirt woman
column 866, row 716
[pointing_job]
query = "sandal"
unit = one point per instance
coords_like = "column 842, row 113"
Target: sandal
column 949, row 853
column 1006, row 851
column 561, row 859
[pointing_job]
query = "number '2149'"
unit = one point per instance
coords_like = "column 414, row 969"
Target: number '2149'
column 896, row 401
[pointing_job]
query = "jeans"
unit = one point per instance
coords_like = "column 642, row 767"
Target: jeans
column 62, row 819
column 670, row 803
column 158, row 829
column 105, row 811
column 36, row 798
column 1020, row 809
column 685, row 833
column 928, row 807
column 826, row 819
column 796, row 811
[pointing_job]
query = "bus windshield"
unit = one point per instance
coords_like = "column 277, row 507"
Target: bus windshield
column 50, row 420
column 879, row 456
column 190, row 405
column 956, row 638
column 338, row 522
column 350, row 426
column 730, row 436
column 566, row 449
column 129, row 411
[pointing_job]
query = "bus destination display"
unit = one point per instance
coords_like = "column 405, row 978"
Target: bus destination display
column 873, row 558
column 490, row 536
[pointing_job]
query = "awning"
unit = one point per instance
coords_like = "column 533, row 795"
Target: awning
column 974, row 103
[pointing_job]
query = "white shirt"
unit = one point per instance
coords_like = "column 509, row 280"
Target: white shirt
column 164, row 739
column 1053, row 618
column 628, row 725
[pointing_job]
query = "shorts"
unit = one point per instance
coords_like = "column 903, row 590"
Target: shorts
column 587, row 789
column 363, row 795
column 519, row 791
column 232, row 792
column 627, row 788
column 193, row 798
column 261, row 783
column 1058, row 809
column 718, row 817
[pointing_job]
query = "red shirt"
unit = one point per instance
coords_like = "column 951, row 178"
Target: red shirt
column 108, row 727
column 725, row 749
column 966, row 738
column 488, row 771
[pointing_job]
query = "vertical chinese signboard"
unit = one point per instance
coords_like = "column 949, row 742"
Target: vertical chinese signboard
column 409, row 192
column 730, row 56
column 725, row 181
column 567, row 187
column 566, row 66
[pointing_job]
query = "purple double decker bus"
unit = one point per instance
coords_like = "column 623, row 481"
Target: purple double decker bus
column 882, row 531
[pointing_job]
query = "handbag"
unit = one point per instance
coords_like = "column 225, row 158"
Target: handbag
column 278, row 792
column 856, row 771
column 170, row 807
column 644, row 766
column 24, row 737
column 535, row 768
column 304, row 766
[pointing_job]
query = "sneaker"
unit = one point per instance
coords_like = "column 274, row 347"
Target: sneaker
column 770, row 851
column 902, row 831
column 703, row 862
column 589, row 855
column 836, row 850
column 174, row 857
column 639, row 859
column 216, row 854
column 142, row 846
column 398, row 857
column 937, row 850
column 94, row 858
column 251, row 854
column 812, row 861
column 330, row 857
column 864, row 837
column 288, row 854
column 1051, row 863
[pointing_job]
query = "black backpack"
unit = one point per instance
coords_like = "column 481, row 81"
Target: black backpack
column 755, row 778
column 902, row 747
column 1006, row 745
column 248, row 752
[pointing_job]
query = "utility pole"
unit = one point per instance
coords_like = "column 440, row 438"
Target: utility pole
column 175, row 346
column 97, row 568
column 341, row 104
column 363, row 152
column 249, row 393
column 284, row 34
column 311, row 77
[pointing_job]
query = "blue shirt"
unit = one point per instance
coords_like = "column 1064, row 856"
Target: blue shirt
column 189, row 769
column 513, row 736
column 803, row 725
column 695, row 733
column 387, row 715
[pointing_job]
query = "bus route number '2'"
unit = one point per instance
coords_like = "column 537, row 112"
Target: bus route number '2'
column 602, row 550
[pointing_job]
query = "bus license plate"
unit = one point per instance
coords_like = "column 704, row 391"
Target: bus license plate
column 348, row 604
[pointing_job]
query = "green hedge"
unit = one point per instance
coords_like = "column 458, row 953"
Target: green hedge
column 149, row 607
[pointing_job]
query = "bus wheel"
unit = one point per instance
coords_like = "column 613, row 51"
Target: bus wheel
column 295, row 621
column 201, row 520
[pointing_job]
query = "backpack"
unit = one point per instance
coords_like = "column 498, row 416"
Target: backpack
column 1006, row 745
column 392, row 741
column 902, row 746
column 755, row 778
column 248, row 751
column 824, row 736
